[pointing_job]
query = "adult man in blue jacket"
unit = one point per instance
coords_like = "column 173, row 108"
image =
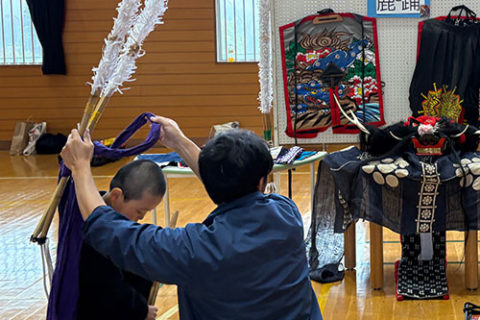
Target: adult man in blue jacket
column 245, row 261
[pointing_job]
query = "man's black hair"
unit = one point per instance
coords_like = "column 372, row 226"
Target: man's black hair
column 138, row 177
column 232, row 164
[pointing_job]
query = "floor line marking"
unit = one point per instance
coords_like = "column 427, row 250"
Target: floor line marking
column 170, row 312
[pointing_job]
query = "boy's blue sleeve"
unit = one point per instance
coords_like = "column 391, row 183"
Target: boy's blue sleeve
column 150, row 251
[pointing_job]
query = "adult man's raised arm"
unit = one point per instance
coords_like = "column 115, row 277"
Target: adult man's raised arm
column 172, row 137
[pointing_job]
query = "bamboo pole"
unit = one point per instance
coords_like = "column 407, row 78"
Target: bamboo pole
column 45, row 222
column 267, row 128
column 173, row 220
column 92, row 112
column 267, row 136
column 91, row 115
column 154, row 293
column 87, row 113
column 152, row 297
column 57, row 195
column 97, row 113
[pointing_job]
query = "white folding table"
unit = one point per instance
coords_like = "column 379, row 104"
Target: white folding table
column 176, row 172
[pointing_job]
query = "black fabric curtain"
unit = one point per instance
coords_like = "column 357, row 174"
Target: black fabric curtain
column 48, row 18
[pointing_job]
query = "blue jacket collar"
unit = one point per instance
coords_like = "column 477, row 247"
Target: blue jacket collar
column 228, row 206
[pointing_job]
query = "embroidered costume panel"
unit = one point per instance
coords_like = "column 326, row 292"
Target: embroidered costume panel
column 322, row 58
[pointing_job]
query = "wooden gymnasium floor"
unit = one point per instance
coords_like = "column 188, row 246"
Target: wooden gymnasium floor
column 27, row 183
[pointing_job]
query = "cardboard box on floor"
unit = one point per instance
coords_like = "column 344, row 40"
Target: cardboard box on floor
column 216, row 129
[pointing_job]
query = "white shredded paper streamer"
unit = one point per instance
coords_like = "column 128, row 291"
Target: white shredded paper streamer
column 265, row 73
column 127, row 16
column 150, row 16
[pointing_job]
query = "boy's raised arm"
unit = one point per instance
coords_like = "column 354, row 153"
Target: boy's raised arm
column 77, row 155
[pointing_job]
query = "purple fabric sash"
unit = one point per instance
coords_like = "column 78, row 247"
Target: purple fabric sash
column 114, row 152
column 64, row 294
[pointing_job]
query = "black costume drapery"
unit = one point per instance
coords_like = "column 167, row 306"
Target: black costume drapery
column 48, row 19
column 446, row 80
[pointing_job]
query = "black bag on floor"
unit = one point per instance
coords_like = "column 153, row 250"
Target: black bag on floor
column 50, row 144
column 472, row 311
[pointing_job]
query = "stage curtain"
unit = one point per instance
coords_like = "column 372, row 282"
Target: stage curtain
column 48, row 18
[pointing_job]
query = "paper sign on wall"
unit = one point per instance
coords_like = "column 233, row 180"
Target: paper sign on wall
column 399, row 8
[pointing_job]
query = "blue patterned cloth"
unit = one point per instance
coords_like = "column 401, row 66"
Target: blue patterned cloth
column 161, row 158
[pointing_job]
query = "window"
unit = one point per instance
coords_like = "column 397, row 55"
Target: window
column 19, row 43
column 237, row 30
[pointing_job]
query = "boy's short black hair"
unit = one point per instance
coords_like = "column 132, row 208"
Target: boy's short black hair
column 138, row 177
column 232, row 164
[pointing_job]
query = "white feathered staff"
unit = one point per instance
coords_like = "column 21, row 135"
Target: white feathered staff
column 122, row 48
column 127, row 16
column 265, row 73
column 150, row 16
column 127, row 11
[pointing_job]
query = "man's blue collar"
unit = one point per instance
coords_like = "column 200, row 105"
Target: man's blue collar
column 225, row 207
